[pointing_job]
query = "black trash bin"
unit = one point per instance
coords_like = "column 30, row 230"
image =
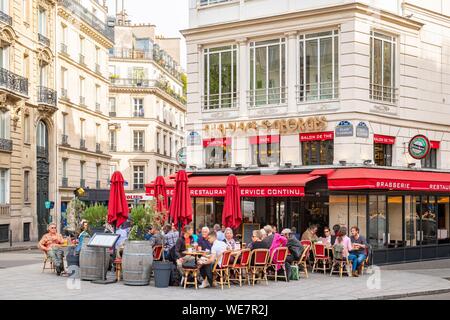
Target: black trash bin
column 162, row 271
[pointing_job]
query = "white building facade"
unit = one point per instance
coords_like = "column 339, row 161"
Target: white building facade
column 146, row 105
column 282, row 86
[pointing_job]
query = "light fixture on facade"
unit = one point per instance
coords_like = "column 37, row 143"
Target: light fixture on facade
column 367, row 162
column 193, row 168
column 343, row 162
column 238, row 166
column 288, row 164
column 411, row 165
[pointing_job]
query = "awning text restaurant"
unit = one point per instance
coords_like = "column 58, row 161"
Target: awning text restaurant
column 405, row 214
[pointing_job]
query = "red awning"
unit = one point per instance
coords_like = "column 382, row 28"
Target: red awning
column 280, row 185
column 383, row 179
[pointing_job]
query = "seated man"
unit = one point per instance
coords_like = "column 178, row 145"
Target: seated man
column 203, row 243
column 207, row 264
column 183, row 244
column 157, row 238
column 358, row 252
column 50, row 244
column 311, row 234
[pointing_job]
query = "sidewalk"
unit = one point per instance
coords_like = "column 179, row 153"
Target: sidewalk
column 17, row 246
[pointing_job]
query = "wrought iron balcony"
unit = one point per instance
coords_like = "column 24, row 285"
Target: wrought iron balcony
column 85, row 15
column 5, row 210
column 5, row 18
column 112, row 148
column 43, row 40
column 65, row 139
column 65, row 182
column 6, row 145
column 112, row 114
column 98, row 148
column 98, row 69
column 64, row 49
column 13, row 82
column 139, row 148
column 47, row 96
column 64, row 93
column 82, row 101
column 203, row 3
column 97, row 107
column 138, row 114
column 97, row 184
column 82, row 183
column 82, row 144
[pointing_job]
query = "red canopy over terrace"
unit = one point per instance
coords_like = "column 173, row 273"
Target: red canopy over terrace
column 387, row 179
column 280, row 185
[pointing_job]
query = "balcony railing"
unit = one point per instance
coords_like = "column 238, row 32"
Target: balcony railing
column 41, row 152
column 267, row 97
column 203, row 3
column 145, row 83
column 82, row 144
column 64, row 93
column 82, row 183
column 13, row 82
column 5, row 210
column 98, row 148
column 82, row 59
column 82, row 101
column 65, row 182
column 64, row 49
column 5, row 145
column 47, row 96
column 157, row 55
column 112, row 148
column 65, row 139
column 139, row 148
column 222, row 101
column 97, row 69
column 44, row 40
column 89, row 18
column 5, row 18
column 97, row 107
column 383, row 93
column 112, row 113
column 139, row 114
column 315, row 92
column 97, row 184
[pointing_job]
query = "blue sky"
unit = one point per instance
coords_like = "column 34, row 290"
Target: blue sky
column 169, row 16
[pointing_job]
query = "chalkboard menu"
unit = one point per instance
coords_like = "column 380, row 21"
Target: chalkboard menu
column 247, row 231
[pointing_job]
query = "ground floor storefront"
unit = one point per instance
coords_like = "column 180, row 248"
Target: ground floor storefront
column 404, row 214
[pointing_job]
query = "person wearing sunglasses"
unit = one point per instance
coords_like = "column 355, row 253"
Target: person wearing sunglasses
column 51, row 244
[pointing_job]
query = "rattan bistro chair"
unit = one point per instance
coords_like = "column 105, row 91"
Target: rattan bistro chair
column 222, row 272
column 339, row 264
column 278, row 258
column 48, row 260
column 321, row 257
column 240, row 269
column 302, row 262
column 258, row 265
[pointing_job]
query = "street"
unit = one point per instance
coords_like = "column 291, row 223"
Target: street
column 21, row 277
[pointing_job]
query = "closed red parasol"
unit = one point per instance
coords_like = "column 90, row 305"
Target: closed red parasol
column 117, row 205
column 161, row 195
column 181, row 207
column 231, row 214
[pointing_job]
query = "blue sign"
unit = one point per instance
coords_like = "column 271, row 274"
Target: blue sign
column 362, row 130
column 49, row 204
column 344, row 129
column 194, row 139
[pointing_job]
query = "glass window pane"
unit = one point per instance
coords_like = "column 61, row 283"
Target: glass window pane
column 214, row 81
column 443, row 220
column 338, row 212
column 261, row 75
column 395, row 212
column 429, row 220
column 326, row 68
column 226, row 83
column 312, row 76
column 377, row 221
column 274, row 84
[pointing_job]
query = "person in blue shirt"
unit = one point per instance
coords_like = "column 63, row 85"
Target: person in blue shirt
column 84, row 233
column 203, row 243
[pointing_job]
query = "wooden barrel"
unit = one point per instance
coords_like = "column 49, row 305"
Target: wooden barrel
column 137, row 263
column 91, row 262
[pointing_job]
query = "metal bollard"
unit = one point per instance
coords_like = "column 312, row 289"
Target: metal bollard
column 10, row 237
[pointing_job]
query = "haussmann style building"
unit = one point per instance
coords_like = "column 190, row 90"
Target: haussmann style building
column 329, row 112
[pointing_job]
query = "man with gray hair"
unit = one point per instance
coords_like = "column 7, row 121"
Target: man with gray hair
column 51, row 244
column 269, row 239
column 219, row 233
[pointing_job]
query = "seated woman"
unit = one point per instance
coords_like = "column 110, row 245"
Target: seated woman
column 230, row 242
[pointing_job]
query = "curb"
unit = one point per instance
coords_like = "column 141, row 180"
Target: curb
column 23, row 248
column 410, row 294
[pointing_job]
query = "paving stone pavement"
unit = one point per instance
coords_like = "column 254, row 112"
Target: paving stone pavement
column 28, row 282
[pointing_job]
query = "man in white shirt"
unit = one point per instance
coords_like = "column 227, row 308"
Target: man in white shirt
column 206, row 265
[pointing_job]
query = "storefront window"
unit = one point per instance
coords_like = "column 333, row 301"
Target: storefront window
column 265, row 151
column 411, row 219
column 395, row 222
column 383, row 154
column 428, row 215
column 338, row 210
column 204, row 212
column 357, row 213
column 443, row 220
column 218, row 156
column 317, row 152
column 431, row 160
column 377, row 221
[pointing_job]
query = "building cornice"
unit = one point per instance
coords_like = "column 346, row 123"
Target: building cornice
column 82, row 109
column 84, row 27
column 69, row 60
column 85, row 152
column 148, row 90
column 445, row 19
column 314, row 13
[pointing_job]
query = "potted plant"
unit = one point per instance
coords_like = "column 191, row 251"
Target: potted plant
column 96, row 216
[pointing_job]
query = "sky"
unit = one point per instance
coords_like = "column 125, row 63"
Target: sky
column 169, row 16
